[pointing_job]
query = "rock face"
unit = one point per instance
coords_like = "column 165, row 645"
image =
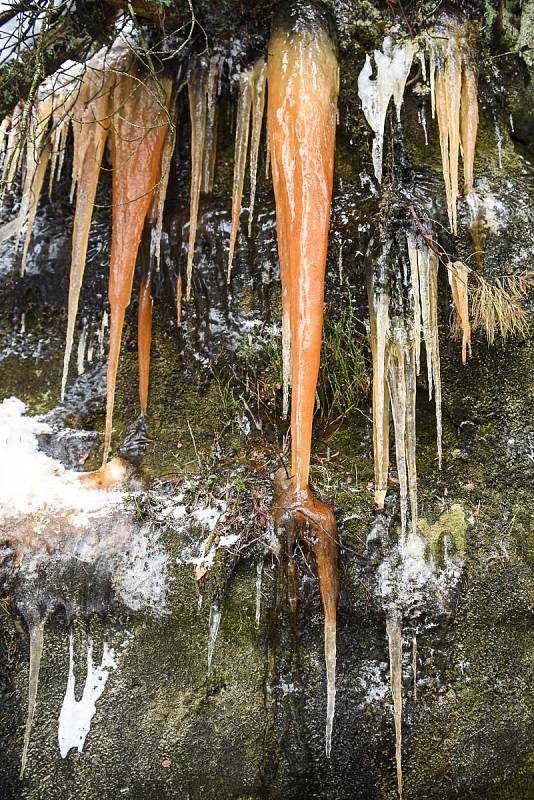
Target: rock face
column 180, row 560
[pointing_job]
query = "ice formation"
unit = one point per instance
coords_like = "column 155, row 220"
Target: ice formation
column 301, row 122
column 393, row 64
column 76, row 715
column 453, row 84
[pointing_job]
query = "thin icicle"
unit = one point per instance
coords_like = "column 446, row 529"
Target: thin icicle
column 402, row 390
column 214, row 622
column 424, row 275
column 244, row 104
column 330, row 660
column 197, row 86
column 379, row 316
column 160, row 193
column 37, row 156
column 210, row 146
column 393, row 66
column 259, row 80
column 414, row 667
column 80, row 361
column 394, row 634
column 13, row 150
column 259, row 574
column 458, row 280
column 36, row 638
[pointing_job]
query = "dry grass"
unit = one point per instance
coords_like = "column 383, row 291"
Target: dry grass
column 496, row 309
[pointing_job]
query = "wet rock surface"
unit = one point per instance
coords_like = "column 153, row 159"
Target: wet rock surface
column 190, row 523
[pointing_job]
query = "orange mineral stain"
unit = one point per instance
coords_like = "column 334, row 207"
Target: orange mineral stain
column 301, row 120
column 139, row 128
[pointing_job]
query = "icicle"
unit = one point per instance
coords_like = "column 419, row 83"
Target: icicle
column 423, row 123
column 80, row 361
column 259, row 574
column 394, row 634
column 138, row 135
column 76, row 715
column 37, row 156
column 244, row 103
column 152, row 261
column 301, row 121
column 197, row 86
column 210, row 147
column 498, row 138
column 458, row 280
column 424, row 274
column 453, row 88
column 36, row 634
column 90, row 124
column 215, row 620
column 179, row 300
column 414, row 667
column 402, row 390
column 259, row 83
column 393, row 66
column 13, row 149
column 469, row 122
column 330, row 660
column 101, row 332
column 379, row 331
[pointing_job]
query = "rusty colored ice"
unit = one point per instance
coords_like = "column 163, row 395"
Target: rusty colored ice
column 301, row 120
column 139, row 127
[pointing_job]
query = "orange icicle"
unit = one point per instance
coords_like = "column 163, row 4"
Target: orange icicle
column 138, row 134
column 301, row 119
column 90, row 126
column 151, row 264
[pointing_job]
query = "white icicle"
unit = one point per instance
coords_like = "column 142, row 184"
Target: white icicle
column 393, row 66
column 76, row 715
column 259, row 575
column 215, row 620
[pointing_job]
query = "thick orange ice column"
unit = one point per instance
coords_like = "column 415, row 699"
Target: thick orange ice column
column 302, row 105
column 139, row 127
column 301, row 120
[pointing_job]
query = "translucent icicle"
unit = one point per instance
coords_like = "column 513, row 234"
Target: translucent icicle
column 458, row 280
column 90, row 126
column 258, row 104
column 330, row 660
column 36, row 633
column 210, row 147
column 37, row 156
column 424, row 275
column 402, row 391
column 13, row 149
column 138, row 135
column 197, row 86
column 394, row 634
column 80, row 361
column 214, row 622
column 259, row 575
column 414, row 667
column 244, row 104
column 379, row 331
column 393, row 66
